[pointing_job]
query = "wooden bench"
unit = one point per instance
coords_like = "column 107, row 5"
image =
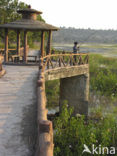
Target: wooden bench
column 16, row 58
column 32, row 56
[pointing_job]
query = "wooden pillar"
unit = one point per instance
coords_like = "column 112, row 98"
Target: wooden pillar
column 49, row 42
column 42, row 44
column 18, row 42
column 25, row 46
column 6, row 45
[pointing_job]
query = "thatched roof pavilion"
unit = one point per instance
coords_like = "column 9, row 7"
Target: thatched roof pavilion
column 28, row 22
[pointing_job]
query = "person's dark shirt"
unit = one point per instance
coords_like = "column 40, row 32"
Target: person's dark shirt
column 75, row 49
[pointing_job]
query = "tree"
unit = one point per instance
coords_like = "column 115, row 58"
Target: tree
column 8, row 13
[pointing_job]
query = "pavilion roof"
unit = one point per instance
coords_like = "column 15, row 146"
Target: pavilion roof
column 29, row 10
column 29, row 22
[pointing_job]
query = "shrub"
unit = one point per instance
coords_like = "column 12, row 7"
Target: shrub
column 105, row 82
column 103, row 75
column 71, row 133
column 52, row 92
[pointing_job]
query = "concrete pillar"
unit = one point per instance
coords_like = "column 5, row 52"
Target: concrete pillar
column 76, row 91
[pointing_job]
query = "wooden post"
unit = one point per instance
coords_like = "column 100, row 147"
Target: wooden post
column 45, row 138
column 18, row 42
column 42, row 44
column 42, row 111
column 25, row 46
column 45, row 130
column 49, row 42
column 6, row 45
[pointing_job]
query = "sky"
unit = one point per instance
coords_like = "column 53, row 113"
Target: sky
column 94, row 14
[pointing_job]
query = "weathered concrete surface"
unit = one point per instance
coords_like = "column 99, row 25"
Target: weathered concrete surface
column 76, row 91
column 64, row 72
column 18, row 111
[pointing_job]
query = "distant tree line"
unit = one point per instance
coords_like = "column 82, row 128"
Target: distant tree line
column 69, row 35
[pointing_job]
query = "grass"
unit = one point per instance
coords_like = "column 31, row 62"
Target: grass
column 103, row 75
column 97, row 60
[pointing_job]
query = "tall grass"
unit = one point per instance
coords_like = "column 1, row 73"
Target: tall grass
column 103, row 75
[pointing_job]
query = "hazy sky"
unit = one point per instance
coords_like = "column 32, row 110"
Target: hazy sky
column 97, row 14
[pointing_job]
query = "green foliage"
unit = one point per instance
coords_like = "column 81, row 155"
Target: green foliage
column 71, row 133
column 8, row 13
column 52, row 92
column 105, row 83
column 103, row 75
column 98, row 61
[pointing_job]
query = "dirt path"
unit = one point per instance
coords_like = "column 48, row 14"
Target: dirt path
column 18, row 111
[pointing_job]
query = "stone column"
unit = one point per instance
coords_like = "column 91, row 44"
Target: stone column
column 6, row 45
column 76, row 91
column 25, row 46
column 18, row 42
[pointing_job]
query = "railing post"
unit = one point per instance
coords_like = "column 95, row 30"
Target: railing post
column 46, row 138
column 41, row 63
column 59, row 61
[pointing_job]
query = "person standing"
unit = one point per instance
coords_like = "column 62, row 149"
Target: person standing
column 75, row 50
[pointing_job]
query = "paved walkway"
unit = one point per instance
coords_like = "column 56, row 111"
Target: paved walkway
column 18, row 111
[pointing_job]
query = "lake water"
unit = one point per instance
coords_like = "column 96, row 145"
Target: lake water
column 109, row 50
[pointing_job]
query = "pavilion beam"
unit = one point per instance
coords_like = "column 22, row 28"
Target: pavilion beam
column 18, row 42
column 25, row 46
column 49, row 42
column 6, row 45
column 42, row 43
